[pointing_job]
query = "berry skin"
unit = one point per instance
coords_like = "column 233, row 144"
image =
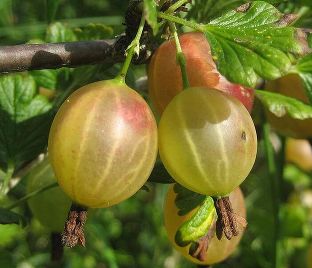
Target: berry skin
column 299, row 152
column 103, row 144
column 164, row 74
column 218, row 250
column 207, row 141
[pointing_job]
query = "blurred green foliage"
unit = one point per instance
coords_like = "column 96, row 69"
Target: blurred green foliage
column 131, row 234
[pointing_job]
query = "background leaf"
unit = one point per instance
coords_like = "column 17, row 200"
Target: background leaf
column 24, row 120
column 187, row 200
column 249, row 44
column 94, row 31
column 205, row 10
column 150, row 10
column 45, row 78
column 304, row 68
column 51, row 8
column 281, row 105
column 57, row 32
column 10, row 217
column 160, row 174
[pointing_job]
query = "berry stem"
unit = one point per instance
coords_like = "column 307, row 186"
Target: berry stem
column 172, row 18
column 133, row 48
column 30, row 195
column 180, row 55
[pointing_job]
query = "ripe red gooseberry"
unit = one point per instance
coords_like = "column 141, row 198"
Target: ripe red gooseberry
column 164, row 74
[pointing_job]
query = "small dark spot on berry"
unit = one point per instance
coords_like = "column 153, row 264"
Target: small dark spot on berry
column 243, row 136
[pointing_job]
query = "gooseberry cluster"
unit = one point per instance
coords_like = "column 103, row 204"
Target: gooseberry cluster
column 103, row 140
column 207, row 139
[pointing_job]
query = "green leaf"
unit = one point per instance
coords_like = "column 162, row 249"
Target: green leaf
column 281, row 105
column 10, row 217
column 186, row 200
column 45, row 78
column 94, row 32
column 57, row 32
column 253, row 42
column 304, row 68
column 201, row 220
column 205, row 10
column 295, row 221
column 24, row 120
column 160, row 174
column 51, row 7
column 9, row 233
column 310, row 39
column 150, row 11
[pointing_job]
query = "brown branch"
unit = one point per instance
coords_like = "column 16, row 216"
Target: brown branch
column 52, row 56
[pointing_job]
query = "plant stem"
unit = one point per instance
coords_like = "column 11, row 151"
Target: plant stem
column 180, row 56
column 280, row 245
column 130, row 51
column 193, row 25
column 57, row 249
column 276, row 198
column 30, row 195
column 176, row 5
column 7, row 178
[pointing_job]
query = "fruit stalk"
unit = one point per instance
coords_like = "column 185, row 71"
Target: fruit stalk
column 180, row 56
column 172, row 18
column 134, row 47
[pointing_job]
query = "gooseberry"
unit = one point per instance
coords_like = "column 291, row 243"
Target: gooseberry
column 103, row 144
column 299, row 152
column 207, row 141
column 218, row 250
column 164, row 74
